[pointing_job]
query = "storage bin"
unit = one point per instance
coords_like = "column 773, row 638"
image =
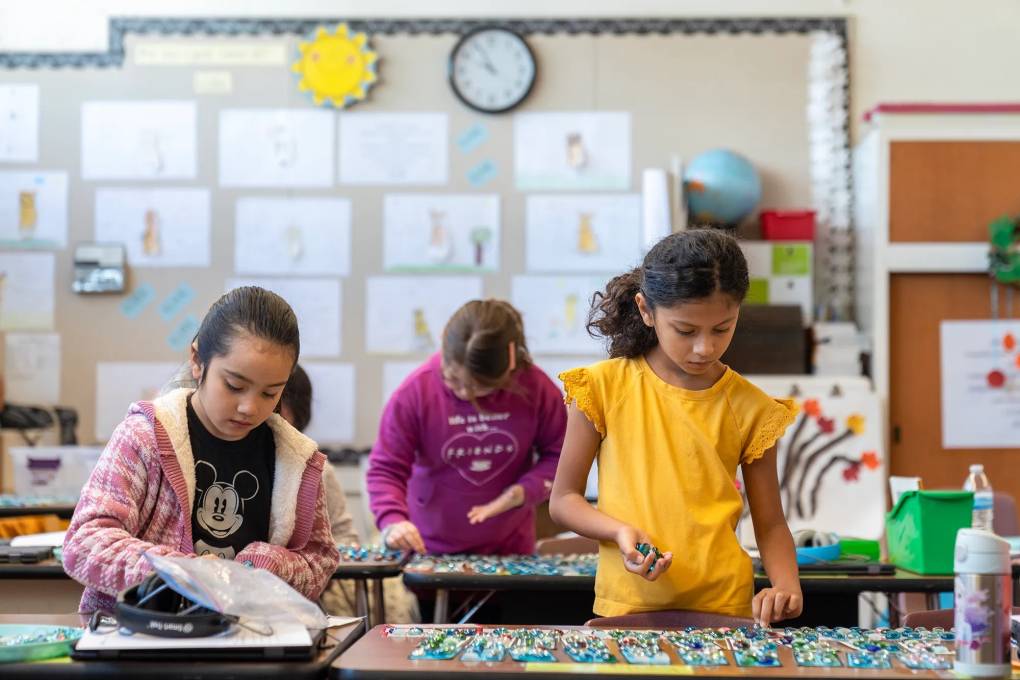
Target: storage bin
column 787, row 225
column 921, row 529
column 52, row 470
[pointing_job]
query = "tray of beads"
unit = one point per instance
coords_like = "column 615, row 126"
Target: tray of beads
column 370, row 560
column 34, row 643
column 839, row 652
column 533, row 571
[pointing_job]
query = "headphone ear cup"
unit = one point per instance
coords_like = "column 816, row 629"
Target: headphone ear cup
column 147, row 585
column 803, row 537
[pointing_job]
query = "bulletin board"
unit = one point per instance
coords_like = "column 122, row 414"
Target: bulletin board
column 682, row 86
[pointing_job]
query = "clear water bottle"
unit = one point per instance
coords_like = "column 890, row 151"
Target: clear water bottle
column 977, row 481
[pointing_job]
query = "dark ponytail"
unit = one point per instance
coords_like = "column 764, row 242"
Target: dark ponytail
column 248, row 309
column 685, row 266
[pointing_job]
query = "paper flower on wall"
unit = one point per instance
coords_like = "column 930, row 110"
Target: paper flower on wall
column 337, row 68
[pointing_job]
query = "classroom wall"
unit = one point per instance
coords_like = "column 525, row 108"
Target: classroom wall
column 901, row 50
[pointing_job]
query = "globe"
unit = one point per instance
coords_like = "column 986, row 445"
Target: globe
column 722, row 188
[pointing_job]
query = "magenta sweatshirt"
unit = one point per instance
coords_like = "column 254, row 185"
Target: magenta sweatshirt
column 437, row 456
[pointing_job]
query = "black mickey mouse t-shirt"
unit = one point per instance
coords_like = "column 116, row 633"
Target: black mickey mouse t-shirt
column 233, row 488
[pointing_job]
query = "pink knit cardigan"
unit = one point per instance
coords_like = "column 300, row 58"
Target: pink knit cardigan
column 140, row 495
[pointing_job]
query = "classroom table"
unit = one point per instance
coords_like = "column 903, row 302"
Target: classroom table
column 377, row 655
column 361, row 572
column 46, row 587
column 16, row 506
column 834, row 590
column 339, row 640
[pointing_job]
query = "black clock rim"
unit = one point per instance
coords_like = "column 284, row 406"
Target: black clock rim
column 460, row 43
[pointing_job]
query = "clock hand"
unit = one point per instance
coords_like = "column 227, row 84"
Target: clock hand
column 487, row 63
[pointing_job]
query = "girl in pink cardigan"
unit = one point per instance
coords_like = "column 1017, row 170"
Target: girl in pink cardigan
column 212, row 471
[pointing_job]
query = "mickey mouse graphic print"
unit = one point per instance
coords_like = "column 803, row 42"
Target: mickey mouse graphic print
column 233, row 489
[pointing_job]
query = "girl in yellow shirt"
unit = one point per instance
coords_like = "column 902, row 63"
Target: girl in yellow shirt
column 670, row 423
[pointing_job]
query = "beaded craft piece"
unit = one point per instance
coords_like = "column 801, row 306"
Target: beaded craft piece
column 368, row 553
column 507, row 565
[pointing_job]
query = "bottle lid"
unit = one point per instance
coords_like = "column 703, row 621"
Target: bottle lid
column 981, row 552
column 977, row 467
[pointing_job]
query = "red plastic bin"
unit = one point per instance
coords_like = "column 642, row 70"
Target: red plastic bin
column 788, row 225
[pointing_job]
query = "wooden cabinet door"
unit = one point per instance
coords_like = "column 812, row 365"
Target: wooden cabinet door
column 917, row 305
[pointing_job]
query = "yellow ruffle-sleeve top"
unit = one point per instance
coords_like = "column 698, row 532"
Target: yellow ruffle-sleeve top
column 667, row 466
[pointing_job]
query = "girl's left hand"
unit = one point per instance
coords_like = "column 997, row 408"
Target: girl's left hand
column 508, row 500
column 776, row 604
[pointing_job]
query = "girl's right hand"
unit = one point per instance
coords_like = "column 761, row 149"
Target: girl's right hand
column 404, row 536
column 645, row 566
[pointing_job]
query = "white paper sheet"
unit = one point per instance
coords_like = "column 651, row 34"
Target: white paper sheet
column 830, row 459
column 656, row 212
column 441, row 232
column 316, row 302
column 333, row 402
column 555, row 310
column 121, row 383
column 579, row 233
column 32, row 368
column 26, row 291
column 305, row 236
column 138, row 140
column 19, row 123
column 572, row 150
column 33, row 210
column 276, row 148
column 980, row 384
column 394, row 148
column 407, row 314
column 394, row 373
column 553, row 366
column 159, row 227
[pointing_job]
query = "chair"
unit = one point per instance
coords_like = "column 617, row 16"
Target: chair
column 935, row 618
column 670, row 618
column 566, row 545
column 1004, row 520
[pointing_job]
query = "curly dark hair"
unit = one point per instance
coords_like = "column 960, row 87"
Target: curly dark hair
column 685, row 266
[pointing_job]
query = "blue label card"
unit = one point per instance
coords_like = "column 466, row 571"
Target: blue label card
column 472, row 138
column 183, row 334
column 135, row 303
column 482, row 173
column 176, row 301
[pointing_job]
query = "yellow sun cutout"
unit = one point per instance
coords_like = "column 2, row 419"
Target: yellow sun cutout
column 336, row 67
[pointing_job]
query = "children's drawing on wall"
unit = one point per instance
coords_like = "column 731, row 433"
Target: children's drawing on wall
column 566, row 151
column 423, row 341
column 139, row 140
column 33, row 210
column 980, row 376
column 582, row 232
column 440, row 246
column 406, row 314
column 441, row 232
column 829, row 460
column 481, row 237
column 149, row 156
column 313, row 234
column 284, row 146
column 28, row 214
column 555, row 313
column 120, row 383
column 150, row 235
column 317, row 305
column 19, row 123
column 159, row 227
column 293, row 239
column 276, row 148
column 577, row 157
column 26, row 291
column 587, row 241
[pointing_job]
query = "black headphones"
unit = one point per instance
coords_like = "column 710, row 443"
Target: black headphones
column 154, row 608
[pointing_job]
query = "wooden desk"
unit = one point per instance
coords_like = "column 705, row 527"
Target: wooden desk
column 378, row 656
column 839, row 589
column 341, row 639
column 363, row 572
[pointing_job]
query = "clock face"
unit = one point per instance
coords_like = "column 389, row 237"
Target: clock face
column 492, row 70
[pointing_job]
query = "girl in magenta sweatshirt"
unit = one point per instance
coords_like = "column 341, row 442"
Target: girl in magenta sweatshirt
column 469, row 442
column 212, row 471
